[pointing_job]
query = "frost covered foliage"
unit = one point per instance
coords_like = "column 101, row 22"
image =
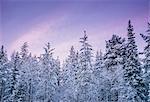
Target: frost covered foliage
column 116, row 75
column 132, row 67
column 146, row 64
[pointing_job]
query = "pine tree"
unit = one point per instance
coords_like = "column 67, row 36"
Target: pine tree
column 3, row 71
column 32, row 77
column 24, row 71
column 85, row 53
column 24, row 51
column 85, row 87
column 98, row 63
column 12, row 82
column 113, row 65
column 3, row 55
column 112, row 57
column 147, row 60
column 132, row 68
column 49, row 76
column 70, row 69
column 99, row 79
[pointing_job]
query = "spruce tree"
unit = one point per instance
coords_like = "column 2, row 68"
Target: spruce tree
column 3, row 55
column 98, row 63
column 113, row 65
column 24, row 72
column 70, row 69
column 49, row 76
column 85, row 87
column 24, row 50
column 132, row 68
column 99, row 79
column 3, row 72
column 147, row 61
column 15, row 64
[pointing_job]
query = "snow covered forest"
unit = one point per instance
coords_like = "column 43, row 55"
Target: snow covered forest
column 118, row 75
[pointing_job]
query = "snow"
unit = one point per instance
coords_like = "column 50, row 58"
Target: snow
column 118, row 75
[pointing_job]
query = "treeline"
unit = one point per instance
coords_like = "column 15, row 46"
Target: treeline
column 118, row 75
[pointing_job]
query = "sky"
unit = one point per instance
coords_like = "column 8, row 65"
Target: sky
column 62, row 22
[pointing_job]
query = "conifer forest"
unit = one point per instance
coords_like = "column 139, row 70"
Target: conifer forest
column 117, row 75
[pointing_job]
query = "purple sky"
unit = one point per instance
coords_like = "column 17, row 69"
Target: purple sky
column 61, row 22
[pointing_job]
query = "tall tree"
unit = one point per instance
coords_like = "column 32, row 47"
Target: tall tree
column 98, row 63
column 132, row 68
column 12, row 83
column 24, row 72
column 24, row 50
column 3, row 71
column 70, row 70
column 99, row 79
column 49, row 76
column 85, row 87
column 113, row 64
column 147, row 60
column 32, row 77
column 3, row 55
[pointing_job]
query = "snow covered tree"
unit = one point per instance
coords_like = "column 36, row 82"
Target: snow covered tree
column 70, row 69
column 24, row 50
column 99, row 79
column 12, row 82
column 29, row 71
column 32, row 76
column 112, row 58
column 86, row 53
column 24, row 71
column 147, row 60
column 115, row 76
column 3, row 71
column 132, row 68
column 113, row 65
column 85, row 86
column 3, row 55
column 58, row 77
column 98, row 67
column 48, row 77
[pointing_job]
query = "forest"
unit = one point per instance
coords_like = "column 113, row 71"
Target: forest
column 117, row 75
